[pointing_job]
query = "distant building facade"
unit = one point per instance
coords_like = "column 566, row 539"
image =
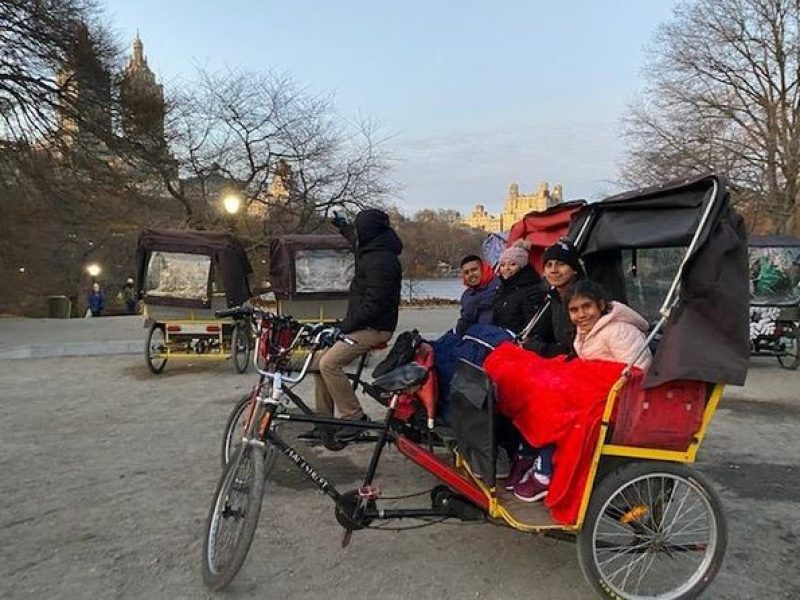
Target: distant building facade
column 516, row 206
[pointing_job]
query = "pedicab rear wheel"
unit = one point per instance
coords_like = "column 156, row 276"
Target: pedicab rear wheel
column 791, row 359
column 156, row 344
column 653, row 530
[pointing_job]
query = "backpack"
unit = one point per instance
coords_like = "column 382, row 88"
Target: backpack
column 402, row 353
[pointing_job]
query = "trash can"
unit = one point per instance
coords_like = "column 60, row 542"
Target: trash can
column 58, row 307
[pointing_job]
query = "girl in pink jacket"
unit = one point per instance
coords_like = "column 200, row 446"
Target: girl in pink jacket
column 606, row 330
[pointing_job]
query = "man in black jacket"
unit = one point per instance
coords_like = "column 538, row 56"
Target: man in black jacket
column 371, row 313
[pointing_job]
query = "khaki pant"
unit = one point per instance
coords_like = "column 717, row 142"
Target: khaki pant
column 332, row 385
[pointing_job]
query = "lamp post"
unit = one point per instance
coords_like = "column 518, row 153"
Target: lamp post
column 231, row 204
column 93, row 270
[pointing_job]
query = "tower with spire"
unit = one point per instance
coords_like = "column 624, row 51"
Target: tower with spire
column 141, row 101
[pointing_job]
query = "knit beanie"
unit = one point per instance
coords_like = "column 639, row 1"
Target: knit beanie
column 564, row 251
column 516, row 255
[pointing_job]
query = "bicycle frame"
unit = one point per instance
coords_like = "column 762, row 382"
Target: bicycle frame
column 387, row 434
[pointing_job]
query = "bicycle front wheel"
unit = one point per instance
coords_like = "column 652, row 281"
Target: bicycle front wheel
column 240, row 347
column 235, row 429
column 233, row 517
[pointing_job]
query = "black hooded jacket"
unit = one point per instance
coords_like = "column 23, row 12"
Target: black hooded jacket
column 375, row 290
column 517, row 299
column 554, row 333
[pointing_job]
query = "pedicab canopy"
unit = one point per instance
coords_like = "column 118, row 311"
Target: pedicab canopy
column 774, row 270
column 542, row 229
column 311, row 266
column 181, row 267
column 677, row 252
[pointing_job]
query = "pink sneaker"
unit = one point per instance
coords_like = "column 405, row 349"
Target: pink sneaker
column 520, row 466
column 530, row 489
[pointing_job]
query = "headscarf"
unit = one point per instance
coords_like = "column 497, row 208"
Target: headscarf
column 487, row 273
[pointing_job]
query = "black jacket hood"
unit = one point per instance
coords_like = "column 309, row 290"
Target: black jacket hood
column 374, row 232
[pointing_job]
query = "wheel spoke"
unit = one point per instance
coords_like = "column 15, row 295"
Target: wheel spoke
column 655, row 537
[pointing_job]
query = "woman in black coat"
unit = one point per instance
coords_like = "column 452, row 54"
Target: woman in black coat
column 520, row 294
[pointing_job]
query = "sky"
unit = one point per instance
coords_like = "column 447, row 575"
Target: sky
column 471, row 96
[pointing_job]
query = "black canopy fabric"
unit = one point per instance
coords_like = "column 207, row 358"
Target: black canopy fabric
column 282, row 262
column 226, row 252
column 706, row 337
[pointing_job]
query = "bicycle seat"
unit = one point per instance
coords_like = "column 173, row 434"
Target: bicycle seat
column 401, row 378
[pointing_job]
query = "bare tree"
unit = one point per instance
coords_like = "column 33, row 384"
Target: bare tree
column 238, row 130
column 723, row 94
column 40, row 39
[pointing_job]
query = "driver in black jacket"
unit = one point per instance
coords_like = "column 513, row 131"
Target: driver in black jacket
column 371, row 313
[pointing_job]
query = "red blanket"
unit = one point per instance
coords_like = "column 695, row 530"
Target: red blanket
column 554, row 401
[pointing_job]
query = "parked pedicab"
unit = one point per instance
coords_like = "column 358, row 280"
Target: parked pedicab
column 647, row 525
column 775, row 298
column 184, row 277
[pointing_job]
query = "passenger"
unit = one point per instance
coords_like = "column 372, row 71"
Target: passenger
column 477, row 300
column 519, row 294
column 605, row 330
column 552, row 335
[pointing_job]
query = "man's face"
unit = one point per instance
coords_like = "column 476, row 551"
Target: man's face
column 559, row 274
column 471, row 272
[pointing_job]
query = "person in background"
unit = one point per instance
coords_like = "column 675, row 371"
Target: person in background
column 96, row 300
column 129, row 296
column 477, row 301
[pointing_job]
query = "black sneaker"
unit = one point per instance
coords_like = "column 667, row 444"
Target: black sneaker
column 347, row 434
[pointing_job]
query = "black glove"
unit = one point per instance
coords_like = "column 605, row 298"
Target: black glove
column 328, row 337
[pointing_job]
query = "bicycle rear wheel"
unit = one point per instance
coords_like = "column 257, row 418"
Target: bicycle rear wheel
column 791, row 357
column 233, row 517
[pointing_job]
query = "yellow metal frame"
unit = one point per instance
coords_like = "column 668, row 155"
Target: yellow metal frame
column 497, row 511
column 635, row 452
column 192, row 320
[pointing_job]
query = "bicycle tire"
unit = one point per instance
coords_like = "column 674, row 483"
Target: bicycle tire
column 791, row 360
column 245, row 477
column 153, row 364
column 240, row 347
column 644, row 529
column 231, row 438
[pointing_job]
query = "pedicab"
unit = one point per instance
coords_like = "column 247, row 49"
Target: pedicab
column 647, row 525
column 775, row 298
column 184, row 277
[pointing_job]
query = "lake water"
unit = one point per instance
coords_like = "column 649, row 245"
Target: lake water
column 440, row 287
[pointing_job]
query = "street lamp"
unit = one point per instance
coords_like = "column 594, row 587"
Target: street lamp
column 93, row 270
column 232, row 203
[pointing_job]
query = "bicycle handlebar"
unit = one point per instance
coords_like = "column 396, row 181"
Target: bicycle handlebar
column 236, row 312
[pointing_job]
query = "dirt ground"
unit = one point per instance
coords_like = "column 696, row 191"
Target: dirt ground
column 108, row 473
